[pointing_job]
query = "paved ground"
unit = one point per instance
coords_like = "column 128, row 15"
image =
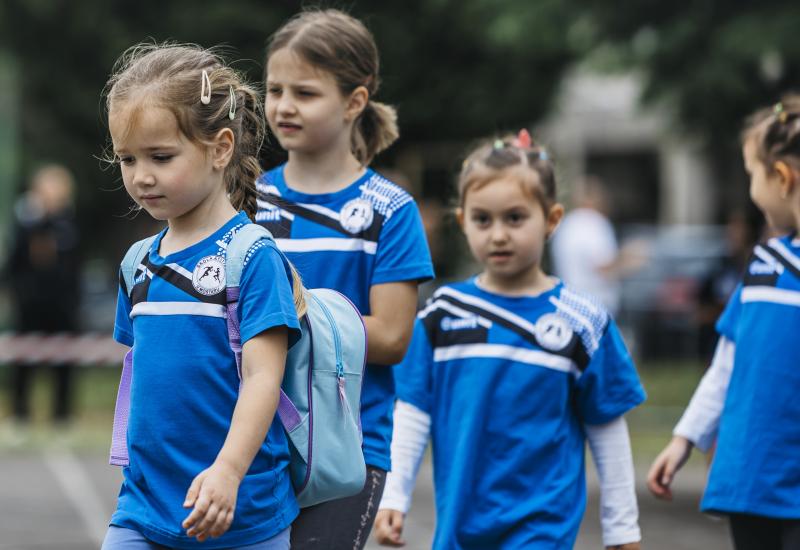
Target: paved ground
column 665, row 526
column 60, row 500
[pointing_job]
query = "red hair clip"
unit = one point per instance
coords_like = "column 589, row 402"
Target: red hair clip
column 523, row 139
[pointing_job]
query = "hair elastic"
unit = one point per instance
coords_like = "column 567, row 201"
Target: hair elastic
column 205, row 88
column 232, row 109
column 498, row 144
column 780, row 112
column 543, row 155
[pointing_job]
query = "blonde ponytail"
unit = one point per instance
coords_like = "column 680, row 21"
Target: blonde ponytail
column 298, row 292
column 375, row 130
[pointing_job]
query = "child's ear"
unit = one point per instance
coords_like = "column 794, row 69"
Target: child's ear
column 222, row 149
column 787, row 178
column 356, row 103
column 460, row 217
column 554, row 218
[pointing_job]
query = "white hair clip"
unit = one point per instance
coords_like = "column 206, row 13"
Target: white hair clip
column 232, row 109
column 205, row 88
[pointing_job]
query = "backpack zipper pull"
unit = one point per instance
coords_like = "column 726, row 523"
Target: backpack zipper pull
column 343, row 399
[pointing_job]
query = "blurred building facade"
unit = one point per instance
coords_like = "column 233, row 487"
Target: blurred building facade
column 656, row 174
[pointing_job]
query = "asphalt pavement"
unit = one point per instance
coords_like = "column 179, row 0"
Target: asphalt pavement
column 61, row 500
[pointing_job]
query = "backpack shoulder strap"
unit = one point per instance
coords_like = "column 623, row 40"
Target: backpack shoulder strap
column 236, row 252
column 130, row 263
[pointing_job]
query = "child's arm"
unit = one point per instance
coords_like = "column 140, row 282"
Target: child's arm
column 213, row 492
column 391, row 321
column 411, row 430
column 619, row 513
column 699, row 424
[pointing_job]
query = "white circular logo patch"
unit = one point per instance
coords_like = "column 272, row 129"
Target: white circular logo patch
column 356, row 215
column 208, row 277
column 553, row 332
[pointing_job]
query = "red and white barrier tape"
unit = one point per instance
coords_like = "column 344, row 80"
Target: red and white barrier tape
column 74, row 349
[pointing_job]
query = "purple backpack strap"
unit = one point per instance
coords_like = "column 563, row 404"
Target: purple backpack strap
column 119, row 440
column 238, row 247
column 119, row 437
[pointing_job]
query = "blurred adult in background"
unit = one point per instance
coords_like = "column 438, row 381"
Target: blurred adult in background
column 716, row 288
column 584, row 248
column 43, row 270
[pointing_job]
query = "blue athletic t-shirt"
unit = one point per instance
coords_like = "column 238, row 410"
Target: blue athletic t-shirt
column 508, row 383
column 185, row 387
column 756, row 468
column 366, row 234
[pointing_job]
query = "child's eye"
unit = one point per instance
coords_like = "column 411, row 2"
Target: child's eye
column 480, row 219
column 515, row 218
column 306, row 93
column 162, row 157
column 273, row 90
column 125, row 160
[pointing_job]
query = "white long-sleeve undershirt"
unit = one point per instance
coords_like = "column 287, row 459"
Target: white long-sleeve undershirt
column 610, row 448
column 611, row 451
column 700, row 421
column 412, row 427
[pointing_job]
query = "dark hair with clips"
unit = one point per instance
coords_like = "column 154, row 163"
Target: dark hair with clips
column 776, row 132
column 511, row 156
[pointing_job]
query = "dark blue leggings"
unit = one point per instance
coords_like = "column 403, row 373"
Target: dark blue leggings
column 763, row 533
column 342, row 524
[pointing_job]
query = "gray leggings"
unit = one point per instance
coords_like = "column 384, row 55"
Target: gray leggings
column 121, row 538
column 342, row 524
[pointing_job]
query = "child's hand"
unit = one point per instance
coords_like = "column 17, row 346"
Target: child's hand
column 627, row 546
column 389, row 527
column 213, row 497
column 666, row 465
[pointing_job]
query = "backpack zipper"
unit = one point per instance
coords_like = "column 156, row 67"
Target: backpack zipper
column 337, row 344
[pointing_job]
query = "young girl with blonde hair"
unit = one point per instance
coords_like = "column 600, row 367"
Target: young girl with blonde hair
column 207, row 462
column 747, row 400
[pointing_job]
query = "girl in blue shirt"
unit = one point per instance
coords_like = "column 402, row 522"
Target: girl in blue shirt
column 343, row 225
column 208, row 464
column 508, row 373
column 747, row 400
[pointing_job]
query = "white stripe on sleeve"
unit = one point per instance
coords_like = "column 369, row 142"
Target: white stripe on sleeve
column 619, row 511
column 412, row 427
column 700, row 421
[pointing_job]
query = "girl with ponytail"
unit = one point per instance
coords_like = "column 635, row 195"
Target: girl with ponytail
column 207, row 464
column 343, row 225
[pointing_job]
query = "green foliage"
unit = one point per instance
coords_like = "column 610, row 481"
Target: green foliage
column 465, row 69
column 455, row 69
column 715, row 60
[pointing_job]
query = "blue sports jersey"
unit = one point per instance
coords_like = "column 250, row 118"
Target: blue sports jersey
column 508, row 383
column 185, row 387
column 756, row 468
column 366, row 234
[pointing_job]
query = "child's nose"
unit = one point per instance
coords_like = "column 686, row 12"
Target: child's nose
column 143, row 177
column 499, row 232
column 286, row 104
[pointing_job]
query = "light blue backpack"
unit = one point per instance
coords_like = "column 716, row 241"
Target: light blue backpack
column 320, row 397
